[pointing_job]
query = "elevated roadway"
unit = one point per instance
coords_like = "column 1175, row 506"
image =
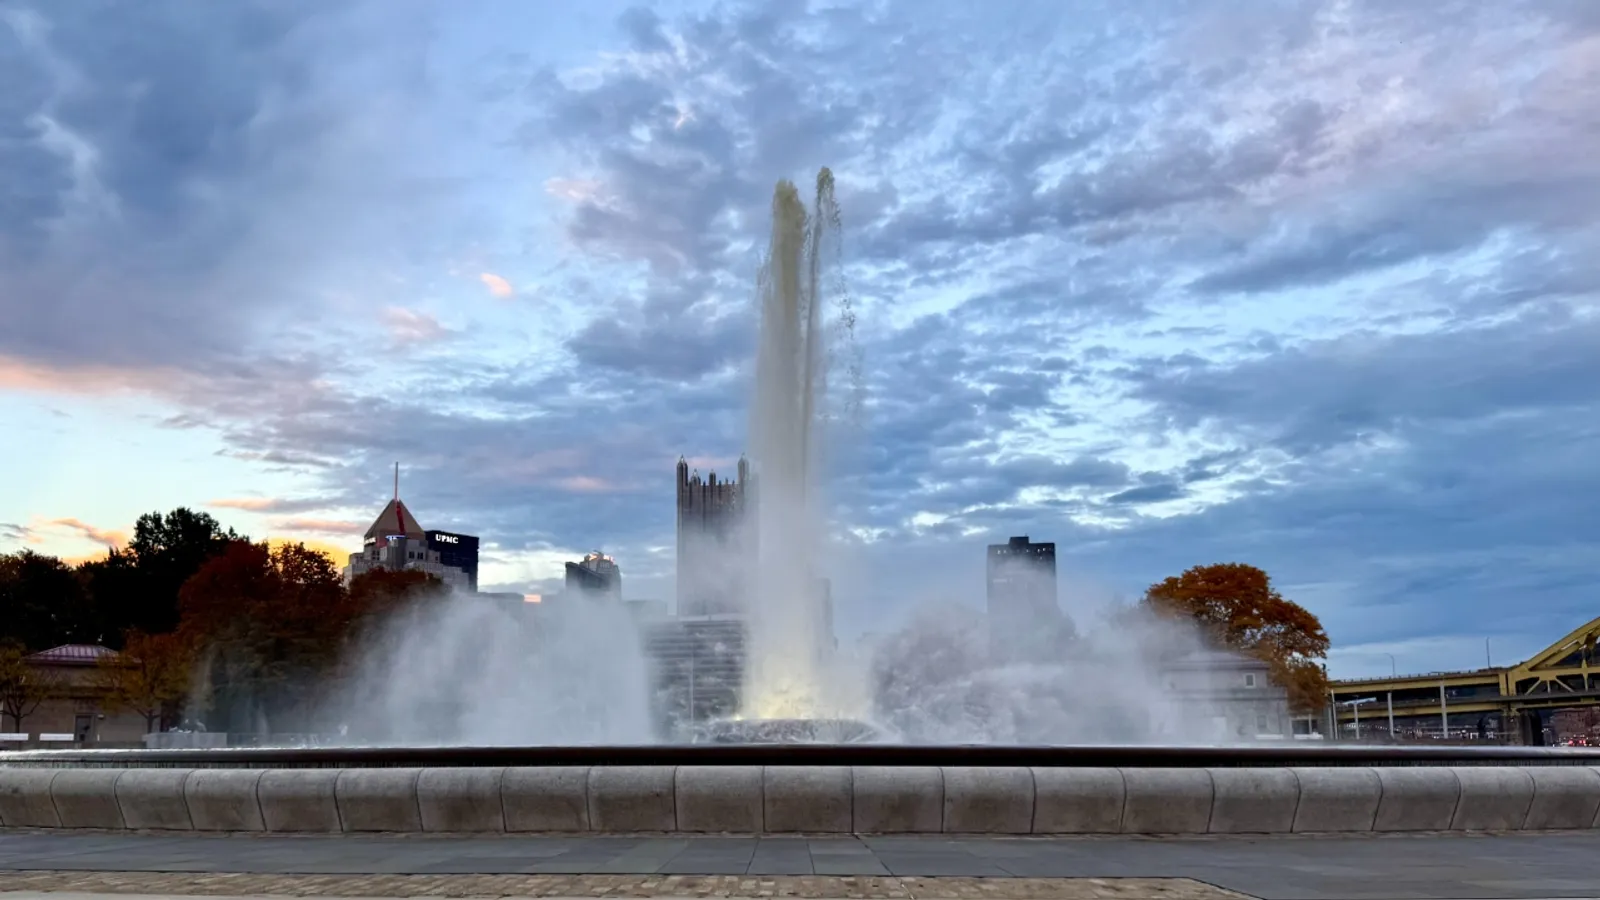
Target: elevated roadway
column 1564, row 675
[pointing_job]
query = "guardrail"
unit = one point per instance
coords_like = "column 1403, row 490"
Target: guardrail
column 746, row 799
column 985, row 755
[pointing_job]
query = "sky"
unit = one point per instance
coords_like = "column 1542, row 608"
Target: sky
column 1308, row 284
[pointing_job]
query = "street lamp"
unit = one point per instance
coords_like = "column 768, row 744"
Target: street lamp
column 1394, row 673
column 1356, row 706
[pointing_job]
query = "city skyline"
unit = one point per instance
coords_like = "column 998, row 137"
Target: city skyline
column 1308, row 286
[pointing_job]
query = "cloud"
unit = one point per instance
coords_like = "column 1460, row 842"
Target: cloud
column 1364, row 385
column 1311, row 285
column 267, row 504
column 586, row 484
column 408, row 326
column 11, row 532
column 497, row 286
column 320, row 526
column 19, row 376
column 109, row 537
column 176, row 197
column 1150, row 493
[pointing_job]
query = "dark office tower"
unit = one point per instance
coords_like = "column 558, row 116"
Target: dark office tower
column 458, row 551
column 713, row 543
column 597, row 575
column 1024, row 617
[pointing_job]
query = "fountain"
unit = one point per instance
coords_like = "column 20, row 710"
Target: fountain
column 786, row 591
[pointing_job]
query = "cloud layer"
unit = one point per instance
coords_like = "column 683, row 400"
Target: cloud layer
column 1308, row 284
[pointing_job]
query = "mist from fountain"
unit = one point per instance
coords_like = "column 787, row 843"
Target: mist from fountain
column 459, row 670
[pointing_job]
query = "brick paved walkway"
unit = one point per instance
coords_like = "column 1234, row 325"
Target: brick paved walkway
column 1358, row 867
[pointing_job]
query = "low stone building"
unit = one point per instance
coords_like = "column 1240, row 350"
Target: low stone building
column 1235, row 692
column 77, row 714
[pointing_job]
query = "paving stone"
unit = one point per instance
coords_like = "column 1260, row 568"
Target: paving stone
column 1324, row 867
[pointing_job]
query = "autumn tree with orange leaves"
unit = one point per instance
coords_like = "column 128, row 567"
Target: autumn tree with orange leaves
column 1238, row 609
column 269, row 623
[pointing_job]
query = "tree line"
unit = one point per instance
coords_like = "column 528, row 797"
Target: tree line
column 206, row 621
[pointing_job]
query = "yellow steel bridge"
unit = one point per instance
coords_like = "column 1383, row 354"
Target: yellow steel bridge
column 1563, row 675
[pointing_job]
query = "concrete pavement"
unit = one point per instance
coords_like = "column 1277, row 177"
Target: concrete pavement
column 384, row 887
column 1416, row 867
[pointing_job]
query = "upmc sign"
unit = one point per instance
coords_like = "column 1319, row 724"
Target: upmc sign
column 445, row 540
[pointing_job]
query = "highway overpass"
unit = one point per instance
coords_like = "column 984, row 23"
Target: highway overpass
column 1511, row 699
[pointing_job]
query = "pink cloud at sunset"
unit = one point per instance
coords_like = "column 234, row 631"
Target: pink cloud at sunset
column 587, row 484
column 407, row 326
column 497, row 285
column 108, row 536
column 28, row 377
column 320, row 526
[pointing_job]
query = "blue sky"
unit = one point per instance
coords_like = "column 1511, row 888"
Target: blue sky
column 1309, row 284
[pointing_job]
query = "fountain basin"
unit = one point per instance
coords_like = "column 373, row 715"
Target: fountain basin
column 806, row 788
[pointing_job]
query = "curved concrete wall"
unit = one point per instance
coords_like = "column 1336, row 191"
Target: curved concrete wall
column 807, row 799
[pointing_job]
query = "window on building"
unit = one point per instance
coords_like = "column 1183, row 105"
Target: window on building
column 1261, row 724
column 1250, row 679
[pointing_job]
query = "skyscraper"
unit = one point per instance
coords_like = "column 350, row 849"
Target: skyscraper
column 396, row 542
column 595, row 574
column 1024, row 617
column 714, row 546
column 458, row 551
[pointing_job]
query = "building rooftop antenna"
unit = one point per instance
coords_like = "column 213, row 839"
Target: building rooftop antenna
column 397, row 481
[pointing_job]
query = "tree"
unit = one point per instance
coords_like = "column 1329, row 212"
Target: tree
column 268, row 623
column 1237, row 608
column 376, row 595
column 151, row 676
column 167, row 549
column 43, row 604
column 112, row 587
column 23, row 687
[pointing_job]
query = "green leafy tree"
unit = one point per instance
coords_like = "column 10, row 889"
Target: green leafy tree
column 43, row 604
column 167, row 549
column 1238, row 609
column 112, row 586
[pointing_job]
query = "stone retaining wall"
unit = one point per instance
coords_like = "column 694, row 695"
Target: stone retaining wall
column 806, row 799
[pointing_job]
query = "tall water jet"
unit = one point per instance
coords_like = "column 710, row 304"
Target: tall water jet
column 788, row 595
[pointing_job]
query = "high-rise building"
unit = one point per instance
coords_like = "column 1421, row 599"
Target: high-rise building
column 714, row 546
column 459, row 551
column 1024, row 616
column 596, row 573
column 397, row 543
